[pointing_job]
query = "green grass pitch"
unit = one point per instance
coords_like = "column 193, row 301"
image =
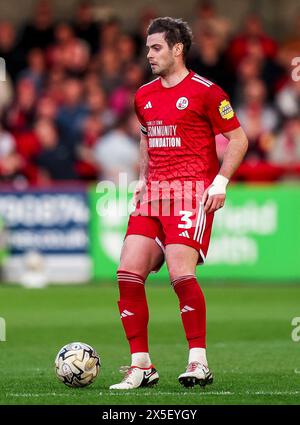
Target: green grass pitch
column 250, row 348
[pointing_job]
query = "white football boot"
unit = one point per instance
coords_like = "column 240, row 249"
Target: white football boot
column 135, row 377
column 196, row 373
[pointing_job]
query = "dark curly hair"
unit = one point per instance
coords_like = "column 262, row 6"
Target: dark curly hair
column 176, row 31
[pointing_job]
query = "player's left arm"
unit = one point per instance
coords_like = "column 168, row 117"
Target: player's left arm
column 214, row 196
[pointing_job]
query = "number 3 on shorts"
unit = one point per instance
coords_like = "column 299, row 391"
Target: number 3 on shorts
column 186, row 219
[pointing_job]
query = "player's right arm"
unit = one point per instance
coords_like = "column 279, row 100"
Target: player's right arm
column 144, row 159
column 215, row 194
column 223, row 119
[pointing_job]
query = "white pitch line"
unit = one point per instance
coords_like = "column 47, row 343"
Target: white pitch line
column 204, row 393
column 273, row 392
column 142, row 394
column 35, row 395
column 170, row 393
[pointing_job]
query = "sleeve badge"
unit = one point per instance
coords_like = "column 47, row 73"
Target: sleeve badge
column 226, row 110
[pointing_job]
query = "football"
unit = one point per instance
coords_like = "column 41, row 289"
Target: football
column 77, row 364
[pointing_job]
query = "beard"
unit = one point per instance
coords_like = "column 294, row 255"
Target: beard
column 159, row 72
column 163, row 70
column 155, row 70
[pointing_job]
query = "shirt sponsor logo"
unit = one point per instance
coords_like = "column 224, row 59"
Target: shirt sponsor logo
column 163, row 136
column 226, row 110
column 182, row 103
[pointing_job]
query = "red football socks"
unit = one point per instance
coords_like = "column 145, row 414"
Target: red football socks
column 133, row 308
column 193, row 310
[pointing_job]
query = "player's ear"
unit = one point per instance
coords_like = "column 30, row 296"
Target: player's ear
column 178, row 49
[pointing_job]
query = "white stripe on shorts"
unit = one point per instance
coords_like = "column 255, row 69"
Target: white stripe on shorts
column 199, row 217
column 200, row 225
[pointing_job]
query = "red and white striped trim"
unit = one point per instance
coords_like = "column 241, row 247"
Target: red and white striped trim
column 128, row 277
column 182, row 279
column 202, row 80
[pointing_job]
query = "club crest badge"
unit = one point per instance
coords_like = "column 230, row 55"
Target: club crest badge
column 182, row 103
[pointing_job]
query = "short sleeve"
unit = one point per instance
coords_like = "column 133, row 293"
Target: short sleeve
column 220, row 111
column 140, row 118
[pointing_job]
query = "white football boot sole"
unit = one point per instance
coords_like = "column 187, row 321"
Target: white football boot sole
column 136, row 377
column 196, row 373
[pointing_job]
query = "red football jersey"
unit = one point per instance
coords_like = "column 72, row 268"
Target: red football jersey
column 180, row 123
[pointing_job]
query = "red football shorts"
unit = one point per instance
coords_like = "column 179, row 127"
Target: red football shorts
column 172, row 221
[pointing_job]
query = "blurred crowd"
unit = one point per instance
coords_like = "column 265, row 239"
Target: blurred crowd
column 66, row 107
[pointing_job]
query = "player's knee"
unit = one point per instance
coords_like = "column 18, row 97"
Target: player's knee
column 177, row 271
column 134, row 263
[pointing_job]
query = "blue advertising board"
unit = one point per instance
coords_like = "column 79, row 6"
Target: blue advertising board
column 49, row 222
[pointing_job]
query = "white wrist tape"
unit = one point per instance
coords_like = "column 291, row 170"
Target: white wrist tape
column 218, row 186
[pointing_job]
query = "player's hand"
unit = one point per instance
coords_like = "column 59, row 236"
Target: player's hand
column 212, row 203
column 138, row 192
column 215, row 195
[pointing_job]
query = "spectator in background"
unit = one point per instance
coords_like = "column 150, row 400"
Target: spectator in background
column 96, row 102
column 127, row 49
column 285, row 148
column 146, row 15
column 69, row 53
column 288, row 99
column 121, row 98
column 54, row 160
column 84, row 26
column 255, row 45
column 19, row 116
column 71, row 114
column 54, row 87
column 39, row 32
column 292, row 40
column 257, row 118
column 249, row 69
column 36, row 69
column 206, row 18
column 111, row 31
column 76, row 59
column 86, row 166
column 10, row 161
column 46, row 108
column 117, row 152
column 252, row 38
column 63, row 38
column 10, row 50
column 289, row 49
column 91, row 81
column 7, row 93
column 207, row 58
column 109, row 67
